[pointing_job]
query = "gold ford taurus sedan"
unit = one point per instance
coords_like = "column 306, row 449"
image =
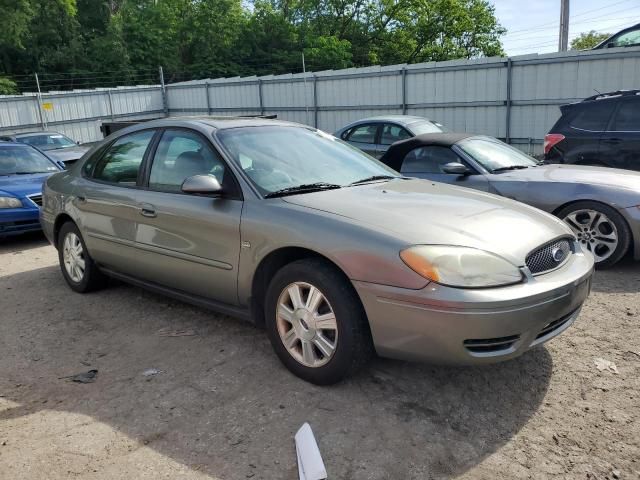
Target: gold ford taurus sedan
column 337, row 256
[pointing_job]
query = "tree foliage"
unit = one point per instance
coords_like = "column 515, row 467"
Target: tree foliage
column 68, row 41
column 588, row 40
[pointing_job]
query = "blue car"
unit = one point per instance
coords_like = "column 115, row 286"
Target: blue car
column 23, row 169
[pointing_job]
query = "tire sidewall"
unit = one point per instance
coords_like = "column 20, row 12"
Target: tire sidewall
column 83, row 285
column 345, row 307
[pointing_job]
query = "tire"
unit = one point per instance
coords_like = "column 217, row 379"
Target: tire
column 587, row 217
column 351, row 338
column 81, row 280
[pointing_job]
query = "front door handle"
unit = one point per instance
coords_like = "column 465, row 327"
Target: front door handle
column 147, row 210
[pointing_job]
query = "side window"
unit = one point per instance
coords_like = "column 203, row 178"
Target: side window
column 181, row 154
column 627, row 118
column 627, row 39
column 121, row 163
column 428, row 160
column 363, row 133
column 393, row 133
column 593, row 116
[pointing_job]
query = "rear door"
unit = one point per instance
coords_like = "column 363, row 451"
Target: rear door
column 620, row 145
column 364, row 137
column 189, row 242
column 427, row 162
column 390, row 133
column 586, row 124
column 105, row 199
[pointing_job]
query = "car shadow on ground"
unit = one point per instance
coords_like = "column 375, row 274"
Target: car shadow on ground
column 18, row 243
column 223, row 405
column 623, row 277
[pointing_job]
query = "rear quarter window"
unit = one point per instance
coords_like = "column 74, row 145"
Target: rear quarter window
column 593, row 116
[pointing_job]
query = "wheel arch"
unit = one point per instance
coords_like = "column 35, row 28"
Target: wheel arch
column 60, row 220
column 273, row 262
column 632, row 243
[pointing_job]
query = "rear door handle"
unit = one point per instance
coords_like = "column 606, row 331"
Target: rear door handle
column 612, row 140
column 147, row 210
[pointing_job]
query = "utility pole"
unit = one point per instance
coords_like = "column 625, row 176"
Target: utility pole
column 41, row 113
column 306, row 104
column 563, row 42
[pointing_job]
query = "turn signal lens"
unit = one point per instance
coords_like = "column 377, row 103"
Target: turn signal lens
column 419, row 264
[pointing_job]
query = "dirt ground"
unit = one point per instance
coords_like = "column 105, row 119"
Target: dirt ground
column 222, row 406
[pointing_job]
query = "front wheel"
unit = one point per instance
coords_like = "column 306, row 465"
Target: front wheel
column 77, row 266
column 316, row 323
column 600, row 229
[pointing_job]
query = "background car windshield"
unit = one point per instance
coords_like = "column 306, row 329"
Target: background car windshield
column 23, row 160
column 493, row 154
column 280, row 157
column 419, row 128
column 49, row 141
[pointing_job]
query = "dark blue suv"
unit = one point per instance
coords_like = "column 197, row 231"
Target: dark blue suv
column 602, row 130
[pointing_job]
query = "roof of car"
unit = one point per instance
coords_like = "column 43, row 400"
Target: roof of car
column 14, row 144
column 400, row 119
column 32, row 134
column 217, row 122
column 393, row 157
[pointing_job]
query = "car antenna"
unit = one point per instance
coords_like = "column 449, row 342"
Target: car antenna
column 597, row 91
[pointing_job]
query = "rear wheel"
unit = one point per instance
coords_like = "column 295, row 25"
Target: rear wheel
column 600, row 229
column 77, row 266
column 316, row 323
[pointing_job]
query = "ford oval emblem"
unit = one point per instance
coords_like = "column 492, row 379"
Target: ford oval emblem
column 557, row 254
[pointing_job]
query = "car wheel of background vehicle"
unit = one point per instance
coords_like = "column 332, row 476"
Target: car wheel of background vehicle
column 600, row 229
column 78, row 269
column 316, row 323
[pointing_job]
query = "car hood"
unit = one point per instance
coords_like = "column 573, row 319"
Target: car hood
column 424, row 212
column 22, row 185
column 67, row 154
column 576, row 174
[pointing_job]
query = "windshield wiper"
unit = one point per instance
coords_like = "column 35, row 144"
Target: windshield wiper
column 372, row 178
column 304, row 188
column 512, row 167
column 25, row 173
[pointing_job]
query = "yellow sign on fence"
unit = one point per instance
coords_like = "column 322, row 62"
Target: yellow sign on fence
column 47, row 106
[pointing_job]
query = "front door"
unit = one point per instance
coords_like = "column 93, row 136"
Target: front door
column 428, row 162
column 189, row 242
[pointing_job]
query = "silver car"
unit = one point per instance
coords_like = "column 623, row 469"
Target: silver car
column 335, row 254
column 374, row 135
column 601, row 205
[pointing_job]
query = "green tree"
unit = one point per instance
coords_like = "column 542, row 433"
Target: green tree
column 588, row 40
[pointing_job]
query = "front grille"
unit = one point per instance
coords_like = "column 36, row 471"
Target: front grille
column 555, row 325
column 37, row 199
column 549, row 257
column 490, row 345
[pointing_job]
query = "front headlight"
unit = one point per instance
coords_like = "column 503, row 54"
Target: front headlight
column 460, row 266
column 10, row 202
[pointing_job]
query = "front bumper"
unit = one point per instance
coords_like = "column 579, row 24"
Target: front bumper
column 473, row 326
column 14, row 221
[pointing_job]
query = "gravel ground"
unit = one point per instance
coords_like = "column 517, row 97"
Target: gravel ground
column 223, row 407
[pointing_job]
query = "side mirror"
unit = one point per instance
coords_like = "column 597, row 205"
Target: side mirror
column 202, row 185
column 456, row 168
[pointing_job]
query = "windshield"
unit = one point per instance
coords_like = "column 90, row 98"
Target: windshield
column 23, row 160
column 493, row 154
column 282, row 157
column 419, row 128
column 48, row 141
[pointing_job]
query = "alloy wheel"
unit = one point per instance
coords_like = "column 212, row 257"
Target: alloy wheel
column 307, row 324
column 73, row 257
column 595, row 231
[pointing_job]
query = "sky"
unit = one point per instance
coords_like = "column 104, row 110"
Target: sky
column 532, row 25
